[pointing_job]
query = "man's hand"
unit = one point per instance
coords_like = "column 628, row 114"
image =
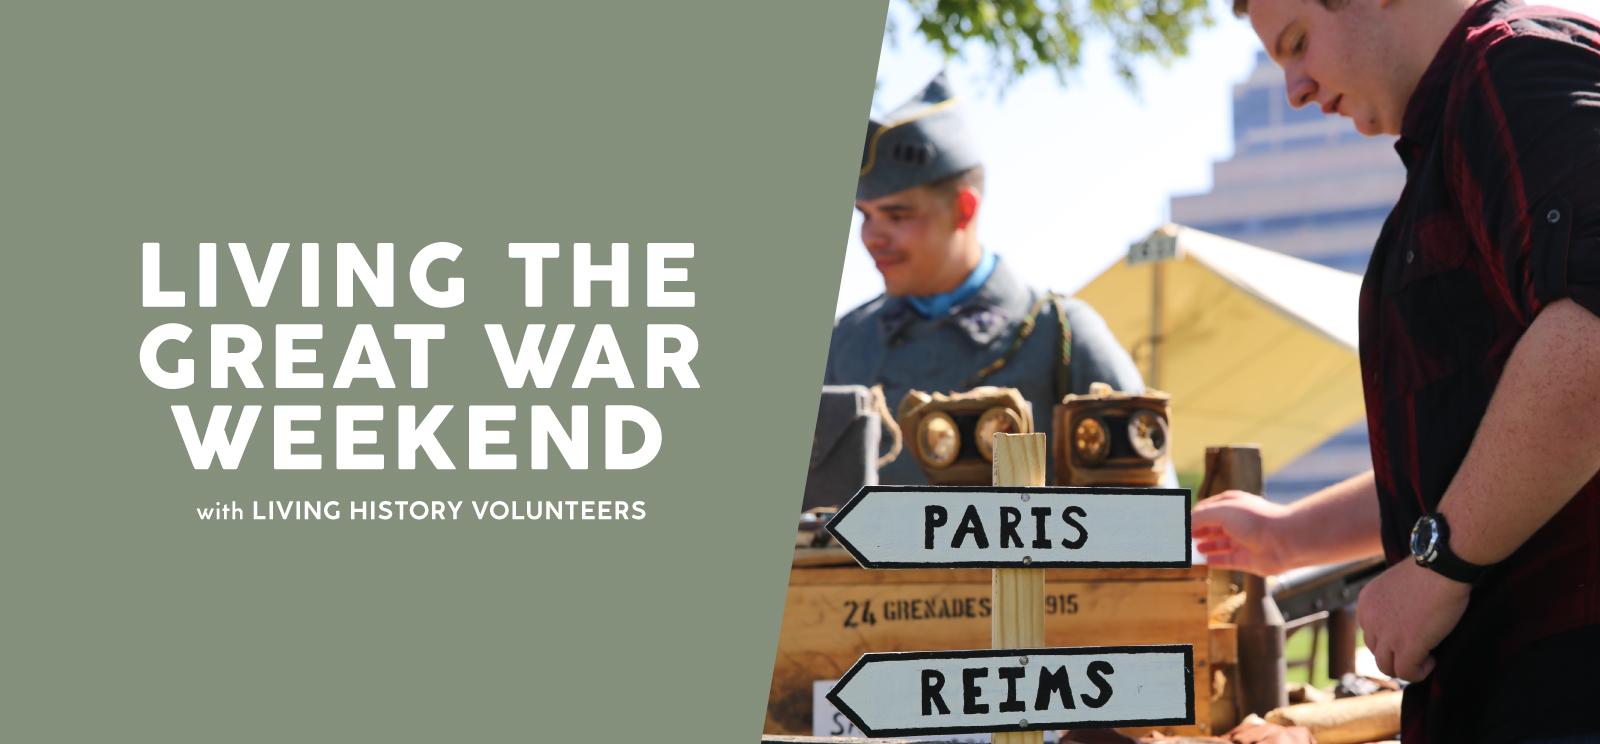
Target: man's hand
column 1405, row 613
column 1241, row 531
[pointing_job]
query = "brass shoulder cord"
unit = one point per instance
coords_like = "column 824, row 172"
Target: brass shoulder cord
column 1024, row 330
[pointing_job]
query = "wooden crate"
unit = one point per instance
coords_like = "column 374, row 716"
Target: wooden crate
column 836, row 611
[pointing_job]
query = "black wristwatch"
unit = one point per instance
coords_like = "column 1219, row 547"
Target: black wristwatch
column 1430, row 546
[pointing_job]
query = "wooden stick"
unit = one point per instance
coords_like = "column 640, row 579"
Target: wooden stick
column 1018, row 592
column 1261, row 632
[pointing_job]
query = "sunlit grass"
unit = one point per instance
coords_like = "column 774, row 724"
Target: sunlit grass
column 1298, row 646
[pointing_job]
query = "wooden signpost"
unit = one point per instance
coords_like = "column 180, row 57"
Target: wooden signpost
column 1018, row 527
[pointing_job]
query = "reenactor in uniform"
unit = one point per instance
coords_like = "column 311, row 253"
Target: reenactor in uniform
column 954, row 314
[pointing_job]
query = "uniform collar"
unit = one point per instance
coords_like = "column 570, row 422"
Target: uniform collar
column 940, row 305
column 1420, row 123
column 985, row 316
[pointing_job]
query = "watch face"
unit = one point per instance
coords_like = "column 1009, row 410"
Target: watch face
column 1425, row 540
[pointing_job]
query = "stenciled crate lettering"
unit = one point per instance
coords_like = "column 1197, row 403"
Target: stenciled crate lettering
column 960, row 613
column 933, row 608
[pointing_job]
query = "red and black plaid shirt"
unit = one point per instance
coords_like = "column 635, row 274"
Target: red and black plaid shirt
column 1500, row 216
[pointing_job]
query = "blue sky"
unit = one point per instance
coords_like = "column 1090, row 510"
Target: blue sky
column 1077, row 172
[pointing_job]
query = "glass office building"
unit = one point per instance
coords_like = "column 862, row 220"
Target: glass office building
column 1308, row 185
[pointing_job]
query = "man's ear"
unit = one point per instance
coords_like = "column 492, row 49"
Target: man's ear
column 967, row 200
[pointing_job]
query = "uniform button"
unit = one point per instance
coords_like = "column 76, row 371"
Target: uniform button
column 1553, row 216
column 1410, row 255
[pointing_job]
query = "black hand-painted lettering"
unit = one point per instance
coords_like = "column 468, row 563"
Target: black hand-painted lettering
column 1099, row 669
column 1083, row 534
column 933, row 517
column 1013, row 704
column 1056, row 682
column 932, row 683
column 1010, row 517
column 970, row 691
column 850, row 619
column 970, row 525
column 1040, row 514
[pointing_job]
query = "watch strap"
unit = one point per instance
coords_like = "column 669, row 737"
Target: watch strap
column 1445, row 562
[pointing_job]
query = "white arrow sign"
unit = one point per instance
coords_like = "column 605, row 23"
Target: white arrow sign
column 964, row 692
column 1015, row 527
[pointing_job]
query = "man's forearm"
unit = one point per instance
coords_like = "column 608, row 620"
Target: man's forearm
column 1539, row 440
column 1338, row 523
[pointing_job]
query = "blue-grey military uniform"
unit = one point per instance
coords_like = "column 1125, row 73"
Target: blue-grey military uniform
column 887, row 342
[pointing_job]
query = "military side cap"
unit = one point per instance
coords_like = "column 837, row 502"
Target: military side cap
column 923, row 141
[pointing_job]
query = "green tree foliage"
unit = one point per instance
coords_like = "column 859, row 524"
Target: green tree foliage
column 1023, row 35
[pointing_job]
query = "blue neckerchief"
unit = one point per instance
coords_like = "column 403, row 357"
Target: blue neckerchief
column 939, row 305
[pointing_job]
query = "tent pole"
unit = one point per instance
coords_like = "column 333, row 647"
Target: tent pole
column 1153, row 379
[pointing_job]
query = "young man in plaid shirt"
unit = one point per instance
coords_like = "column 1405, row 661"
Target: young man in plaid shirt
column 1480, row 358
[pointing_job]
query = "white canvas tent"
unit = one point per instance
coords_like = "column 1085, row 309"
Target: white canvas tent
column 1254, row 346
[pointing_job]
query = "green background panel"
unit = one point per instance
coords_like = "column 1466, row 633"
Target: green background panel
column 735, row 126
